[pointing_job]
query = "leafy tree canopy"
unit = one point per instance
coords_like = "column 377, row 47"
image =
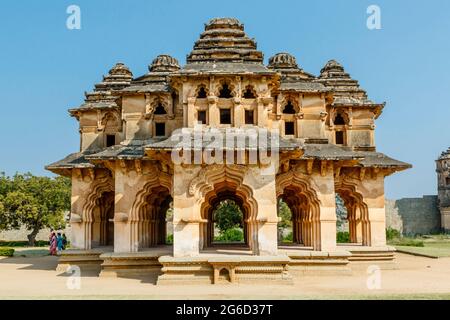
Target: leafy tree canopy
column 35, row 202
column 228, row 215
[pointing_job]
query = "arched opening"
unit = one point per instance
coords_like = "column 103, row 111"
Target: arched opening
column 249, row 93
column 302, row 223
column 244, row 226
column 342, row 228
column 340, row 129
column 224, row 275
column 228, row 220
column 160, row 110
column 352, row 217
column 201, row 93
column 297, row 199
column 285, row 233
column 339, row 120
column 289, row 108
column 154, row 218
column 225, row 92
column 103, row 221
column 151, row 213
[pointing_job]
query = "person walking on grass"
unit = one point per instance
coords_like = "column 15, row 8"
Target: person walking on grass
column 53, row 243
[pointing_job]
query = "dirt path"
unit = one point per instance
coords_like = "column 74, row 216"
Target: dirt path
column 34, row 277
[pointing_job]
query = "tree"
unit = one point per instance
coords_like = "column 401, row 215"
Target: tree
column 35, row 202
column 228, row 215
column 286, row 215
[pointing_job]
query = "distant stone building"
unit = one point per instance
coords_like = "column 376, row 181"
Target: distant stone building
column 443, row 175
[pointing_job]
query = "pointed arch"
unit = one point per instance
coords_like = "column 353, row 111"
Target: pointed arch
column 294, row 187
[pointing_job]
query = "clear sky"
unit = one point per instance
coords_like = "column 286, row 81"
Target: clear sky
column 45, row 68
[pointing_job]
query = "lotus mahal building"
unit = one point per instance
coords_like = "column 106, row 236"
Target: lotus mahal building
column 125, row 178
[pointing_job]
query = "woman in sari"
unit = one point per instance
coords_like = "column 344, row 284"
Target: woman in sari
column 53, row 244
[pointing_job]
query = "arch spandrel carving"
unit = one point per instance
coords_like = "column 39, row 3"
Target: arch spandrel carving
column 209, row 176
column 99, row 187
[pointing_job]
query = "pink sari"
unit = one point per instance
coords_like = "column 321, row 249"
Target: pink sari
column 53, row 244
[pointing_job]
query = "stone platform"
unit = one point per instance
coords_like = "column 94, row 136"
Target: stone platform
column 220, row 269
column 362, row 257
column 86, row 260
column 228, row 265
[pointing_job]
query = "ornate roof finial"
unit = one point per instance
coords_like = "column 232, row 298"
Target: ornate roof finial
column 283, row 60
column 164, row 63
column 224, row 40
column 331, row 67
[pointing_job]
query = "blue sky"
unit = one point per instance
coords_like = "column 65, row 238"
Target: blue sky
column 45, row 68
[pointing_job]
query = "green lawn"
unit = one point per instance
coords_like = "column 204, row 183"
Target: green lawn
column 437, row 249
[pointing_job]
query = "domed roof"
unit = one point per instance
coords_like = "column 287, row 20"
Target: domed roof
column 346, row 90
column 331, row 68
column 283, row 60
column 224, row 40
column 445, row 155
column 118, row 77
column 231, row 23
column 164, row 63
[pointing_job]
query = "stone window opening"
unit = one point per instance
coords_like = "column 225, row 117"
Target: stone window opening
column 110, row 140
column 225, row 92
column 160, row 129
column 249, row 117
column 201, row 116
column 160, row 110
column 289, row 128
column 249, row 93
column 289, row 108
column 340, row 137
column 447, row 181
column 339, row 120
column 202, row 94
column 224, row 275
column 225, row 116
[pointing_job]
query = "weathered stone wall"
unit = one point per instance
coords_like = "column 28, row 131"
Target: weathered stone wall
column 413, row 216
column 21, row 234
